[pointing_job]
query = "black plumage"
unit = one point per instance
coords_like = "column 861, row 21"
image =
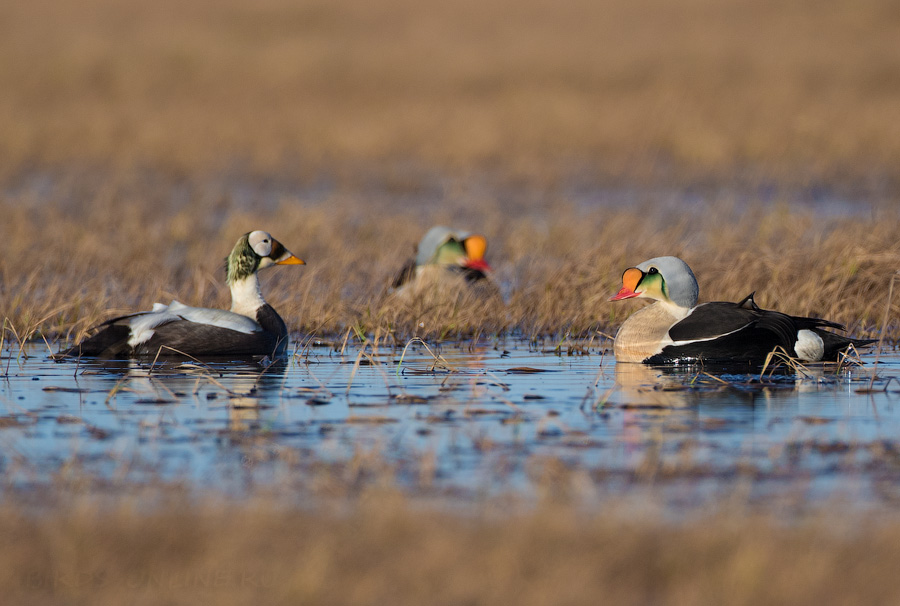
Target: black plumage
column 722, row 332
column 405, row 275
column 471, row 274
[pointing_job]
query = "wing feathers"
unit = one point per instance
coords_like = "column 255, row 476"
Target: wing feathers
column 728, row 332
column 712, row 320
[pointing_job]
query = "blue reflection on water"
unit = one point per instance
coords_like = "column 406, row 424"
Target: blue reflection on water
column 484, row 420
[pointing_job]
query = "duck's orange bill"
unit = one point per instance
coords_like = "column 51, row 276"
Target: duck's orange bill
column 630, row 279
column 476, row 246
column 291, row 260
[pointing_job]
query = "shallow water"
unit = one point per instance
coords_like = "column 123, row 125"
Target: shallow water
column 484, row 420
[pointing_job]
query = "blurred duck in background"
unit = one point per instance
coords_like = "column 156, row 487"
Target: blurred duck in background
column 445, row 254
column 677, row 330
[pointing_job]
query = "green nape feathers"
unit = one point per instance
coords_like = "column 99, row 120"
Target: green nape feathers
column 242, row 262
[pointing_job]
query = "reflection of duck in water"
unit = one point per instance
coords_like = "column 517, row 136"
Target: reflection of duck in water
column 243, row 416
column 641, row 386
column 446, row 255
column 676, row 329
column 251, row 328
column 251, row 433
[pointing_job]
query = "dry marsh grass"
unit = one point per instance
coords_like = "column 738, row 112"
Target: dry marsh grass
column 82, row 253
column 386, row 550
column 535, row 89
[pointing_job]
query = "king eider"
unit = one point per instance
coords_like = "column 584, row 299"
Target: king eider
column 446, row 251
column 675, row 329
column 251, row 328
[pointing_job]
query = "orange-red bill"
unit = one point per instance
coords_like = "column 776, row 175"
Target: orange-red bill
column 479, row 264
column 630, row 280
column 476, row 246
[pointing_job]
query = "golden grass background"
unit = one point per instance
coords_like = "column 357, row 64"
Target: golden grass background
column 532, row 87
column 139, row 140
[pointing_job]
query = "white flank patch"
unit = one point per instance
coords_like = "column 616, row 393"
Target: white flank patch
column 809, row 346
column 143, row 325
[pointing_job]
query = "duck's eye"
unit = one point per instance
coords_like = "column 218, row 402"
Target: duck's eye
column 652, row 270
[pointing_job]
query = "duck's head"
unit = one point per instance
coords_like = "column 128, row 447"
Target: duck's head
column 666, row 279
column 254, row 251
column 444, row 246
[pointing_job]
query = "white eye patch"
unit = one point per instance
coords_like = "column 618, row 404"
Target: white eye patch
column 261, row 243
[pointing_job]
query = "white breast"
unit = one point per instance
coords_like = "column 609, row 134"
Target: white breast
column 644, row 333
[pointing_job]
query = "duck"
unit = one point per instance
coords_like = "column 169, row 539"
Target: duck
column 251, row 328
column 444, row 251
column 675, row 329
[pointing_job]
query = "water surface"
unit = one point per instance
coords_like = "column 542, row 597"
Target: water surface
column 486, row 419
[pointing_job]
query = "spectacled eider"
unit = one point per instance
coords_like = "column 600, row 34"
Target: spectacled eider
column 251, row 328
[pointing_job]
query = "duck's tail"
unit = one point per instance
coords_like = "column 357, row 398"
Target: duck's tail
column 836, row 344
column 108, row 342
